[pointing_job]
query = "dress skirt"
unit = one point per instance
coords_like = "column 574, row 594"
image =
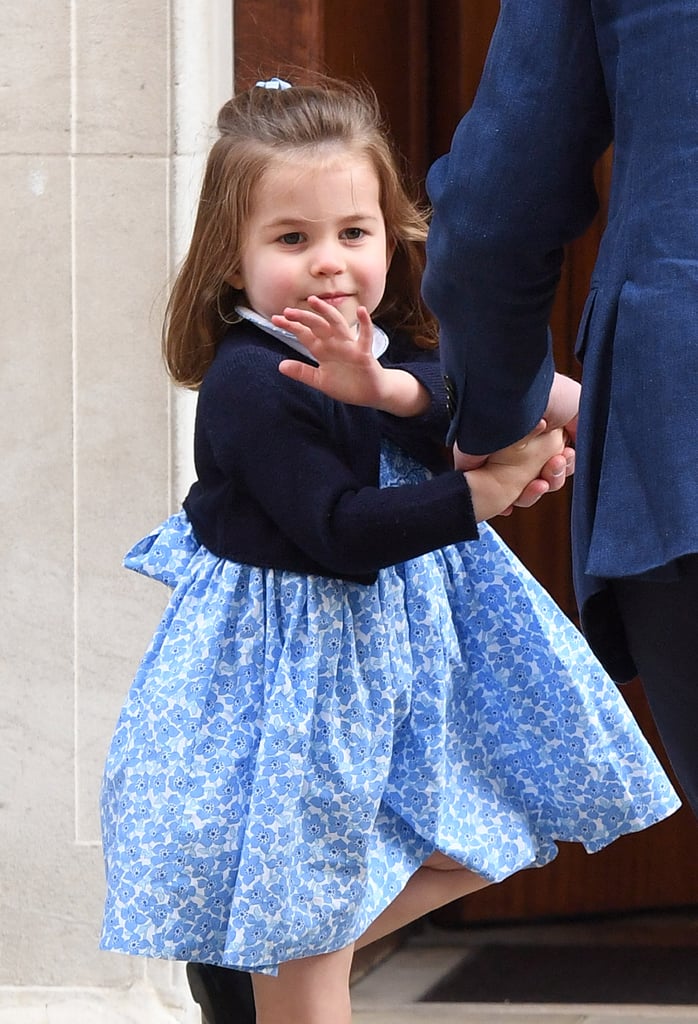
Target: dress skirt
column 294, row 747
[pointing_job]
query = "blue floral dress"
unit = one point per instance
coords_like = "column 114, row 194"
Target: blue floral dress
column 294, row 747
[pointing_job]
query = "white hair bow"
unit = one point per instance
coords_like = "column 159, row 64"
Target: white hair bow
column 273, row 83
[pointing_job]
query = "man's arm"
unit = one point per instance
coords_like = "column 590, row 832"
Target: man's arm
column 515, row 187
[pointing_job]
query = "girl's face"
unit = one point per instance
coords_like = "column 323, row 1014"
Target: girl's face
column 315, row 229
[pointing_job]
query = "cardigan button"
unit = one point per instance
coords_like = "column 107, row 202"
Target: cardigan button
column 451, row 396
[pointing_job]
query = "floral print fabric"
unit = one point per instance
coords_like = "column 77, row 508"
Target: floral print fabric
column 294, row 747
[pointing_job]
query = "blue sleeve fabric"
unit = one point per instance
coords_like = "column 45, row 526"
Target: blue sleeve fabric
column 516, row 186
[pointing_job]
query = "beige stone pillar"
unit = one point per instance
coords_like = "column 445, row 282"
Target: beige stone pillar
column 105, row 112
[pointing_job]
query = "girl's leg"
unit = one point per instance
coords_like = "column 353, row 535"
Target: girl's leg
column 313, row 990
column 437, row 882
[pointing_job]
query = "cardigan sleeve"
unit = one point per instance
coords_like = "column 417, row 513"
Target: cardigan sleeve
column 311, row 464
column 422, row 436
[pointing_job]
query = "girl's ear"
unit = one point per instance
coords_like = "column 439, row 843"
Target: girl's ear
column 235, row 281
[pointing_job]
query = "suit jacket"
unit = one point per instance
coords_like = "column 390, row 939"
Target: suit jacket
column 562, row 80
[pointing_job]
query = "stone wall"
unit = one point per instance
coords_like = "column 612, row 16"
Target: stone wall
column 105, row 113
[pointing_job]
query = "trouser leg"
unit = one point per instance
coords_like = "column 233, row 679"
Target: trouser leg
column 661, row 624
column 225, row 996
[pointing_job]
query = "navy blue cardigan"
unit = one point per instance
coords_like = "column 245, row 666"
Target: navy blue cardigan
column 288, row 478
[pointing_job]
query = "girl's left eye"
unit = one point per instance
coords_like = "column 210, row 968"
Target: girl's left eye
column 353, row 234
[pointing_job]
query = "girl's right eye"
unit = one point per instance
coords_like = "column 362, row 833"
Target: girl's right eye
column 291, row 238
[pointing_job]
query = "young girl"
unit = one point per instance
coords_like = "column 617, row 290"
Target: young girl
column 347, row 716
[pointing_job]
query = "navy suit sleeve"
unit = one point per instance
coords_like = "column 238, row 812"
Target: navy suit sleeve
column 516, row 185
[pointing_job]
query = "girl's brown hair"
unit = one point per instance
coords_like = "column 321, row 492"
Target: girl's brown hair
column 255, row 127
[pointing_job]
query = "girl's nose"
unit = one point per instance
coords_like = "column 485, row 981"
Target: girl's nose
column 327, row 260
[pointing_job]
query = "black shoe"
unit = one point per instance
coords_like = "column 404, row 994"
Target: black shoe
column 224, row 995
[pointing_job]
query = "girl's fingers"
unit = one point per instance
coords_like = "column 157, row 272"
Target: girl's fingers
column 336, row 322
column 321, row 330
column 299, row 371
column 365, row 338
column 301, row 318
column 341, row 330
column 329, row 316
column 324, row 327
column 325, row 324
column 327, row 310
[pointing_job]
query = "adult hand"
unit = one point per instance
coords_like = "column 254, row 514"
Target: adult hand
column 553, row 477
column 561, row 411
column 563, row 405
column 465, row 462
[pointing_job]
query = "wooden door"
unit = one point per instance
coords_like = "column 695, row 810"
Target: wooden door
column 424, row 61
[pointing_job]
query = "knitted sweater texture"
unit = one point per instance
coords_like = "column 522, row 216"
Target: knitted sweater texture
column 288, row 478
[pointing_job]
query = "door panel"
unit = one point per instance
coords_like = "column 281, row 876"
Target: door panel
column 377, row 42
column 424, row 61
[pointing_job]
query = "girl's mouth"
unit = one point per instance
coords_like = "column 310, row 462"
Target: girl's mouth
column 335, row 298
